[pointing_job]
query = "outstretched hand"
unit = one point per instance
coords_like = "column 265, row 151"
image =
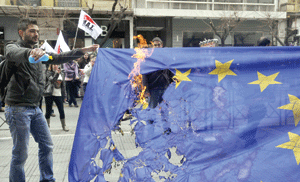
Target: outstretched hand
column 91, row 48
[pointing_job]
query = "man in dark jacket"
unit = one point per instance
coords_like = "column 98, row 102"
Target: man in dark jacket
column 157, row 82
column 23, row 93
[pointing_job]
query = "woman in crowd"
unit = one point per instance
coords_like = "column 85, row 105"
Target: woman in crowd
column 54, row 93
column 87, row 71
column 72, row 80
column 84, row 60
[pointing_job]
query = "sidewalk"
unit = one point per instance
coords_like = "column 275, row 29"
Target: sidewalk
column 63, row 142
column 61, row 155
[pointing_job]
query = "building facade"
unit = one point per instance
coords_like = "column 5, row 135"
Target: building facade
column 178, row 23
column 292, row 23
column 190, row 20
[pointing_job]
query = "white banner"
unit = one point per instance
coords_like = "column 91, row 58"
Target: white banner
column 87, row 24
column 61, row 45
column 47, row 47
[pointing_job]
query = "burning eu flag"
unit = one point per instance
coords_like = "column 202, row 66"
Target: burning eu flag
column 231, row 114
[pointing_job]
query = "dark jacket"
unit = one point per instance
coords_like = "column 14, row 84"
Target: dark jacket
column 158, row 79
column 26, row 86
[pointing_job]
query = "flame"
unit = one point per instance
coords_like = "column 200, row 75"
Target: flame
column 136, row 79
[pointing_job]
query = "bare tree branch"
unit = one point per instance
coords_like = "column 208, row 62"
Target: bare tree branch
column 115, row 19
column 226, row 26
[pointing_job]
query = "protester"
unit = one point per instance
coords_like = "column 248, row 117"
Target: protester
column 24, row 91
column 157, row 82
column 87, row 71
column 84, row 60
column 72, row 81
column 54, row 80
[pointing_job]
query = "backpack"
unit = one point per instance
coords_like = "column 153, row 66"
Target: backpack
column 5, row 76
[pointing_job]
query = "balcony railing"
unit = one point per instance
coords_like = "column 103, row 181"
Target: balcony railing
column 225, row 5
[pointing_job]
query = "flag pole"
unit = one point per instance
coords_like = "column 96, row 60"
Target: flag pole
column 75, row 38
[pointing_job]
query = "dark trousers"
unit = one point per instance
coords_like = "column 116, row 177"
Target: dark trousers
column 59, row 103
column 156, row 97
column 84, row 86
column 72, row 92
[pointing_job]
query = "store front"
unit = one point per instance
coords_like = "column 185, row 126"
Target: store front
column 150, row 27
column 119, row 38
column 189, row 32
column 49, row 30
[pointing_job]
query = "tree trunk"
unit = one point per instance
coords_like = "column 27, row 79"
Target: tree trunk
column 108, row 34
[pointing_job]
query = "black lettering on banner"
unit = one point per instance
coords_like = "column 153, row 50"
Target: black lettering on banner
column 88, row 24
column 83, row 23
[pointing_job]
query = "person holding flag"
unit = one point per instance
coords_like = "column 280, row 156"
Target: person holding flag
column 23, row 93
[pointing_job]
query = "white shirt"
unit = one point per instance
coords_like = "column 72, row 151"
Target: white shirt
column 57, row 91
column 87, row 72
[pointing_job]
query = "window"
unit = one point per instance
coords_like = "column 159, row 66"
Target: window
column 192, row 39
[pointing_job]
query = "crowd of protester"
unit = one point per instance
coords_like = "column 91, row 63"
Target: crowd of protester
column 75, row 75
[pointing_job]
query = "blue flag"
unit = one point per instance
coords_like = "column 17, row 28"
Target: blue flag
column 228, row 114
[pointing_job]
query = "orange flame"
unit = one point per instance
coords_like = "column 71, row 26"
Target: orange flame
column 135, row 77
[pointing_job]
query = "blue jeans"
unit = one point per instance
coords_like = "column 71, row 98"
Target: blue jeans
column 22, row 121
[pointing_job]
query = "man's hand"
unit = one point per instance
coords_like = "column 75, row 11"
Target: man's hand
column 91, row 48
column 37, row 53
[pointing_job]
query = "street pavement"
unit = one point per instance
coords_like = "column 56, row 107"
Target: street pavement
column 63, row 142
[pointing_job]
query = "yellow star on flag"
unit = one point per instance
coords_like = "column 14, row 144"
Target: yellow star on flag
column 264, row 81
column 222, row 70
column 294, row 105
column 179, row 77
column 293, row 144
